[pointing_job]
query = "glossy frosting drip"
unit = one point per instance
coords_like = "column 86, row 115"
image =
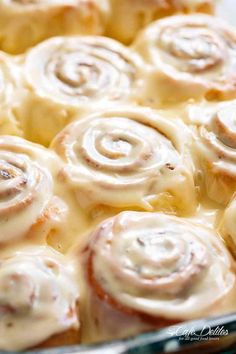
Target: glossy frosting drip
column 26, row 192
column 46, row 301
column 197, row 50
column 160, row 265
column 124, row 158
column 75, row 69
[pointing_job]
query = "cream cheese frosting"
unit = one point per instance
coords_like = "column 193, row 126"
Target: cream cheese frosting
column 26, row 194
column 144, row 271
column 214, row 144
column 67, row 77
column 47, row 297
column 161, row 265
column 130, row 157
column 191, row 56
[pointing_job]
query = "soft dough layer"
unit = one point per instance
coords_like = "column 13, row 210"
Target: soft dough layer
column 191, row 57
column 24, row 23
column 68, row 77
column 129, row 157
column 38, row 299
column 150, row 270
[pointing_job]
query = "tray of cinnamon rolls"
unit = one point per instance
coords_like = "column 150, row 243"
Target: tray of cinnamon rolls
column 117, row 176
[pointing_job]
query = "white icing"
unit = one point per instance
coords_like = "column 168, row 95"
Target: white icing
column 75, row 69
column 194, row 55
column 46, row 300
column 125, row 157
column 215, row 148
column 69, row 77
column 162, row 265
column 26, row 191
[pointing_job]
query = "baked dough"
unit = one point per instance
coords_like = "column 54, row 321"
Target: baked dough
column 128, row 157
column 66, row 77
column 24, row 23
column 192, row 57
column 29, row 209
column 149, row 270
column 214, row 149
column 124, row 221
column 47, row 300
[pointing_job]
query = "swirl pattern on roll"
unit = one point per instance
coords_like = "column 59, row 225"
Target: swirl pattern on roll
column 69, row 77
column 130, row 157
column 193, row 54
column 215, row 150
column 157, row 267
column 81, row 68
column 26, row 194
column 24, row 23
column 47, row 297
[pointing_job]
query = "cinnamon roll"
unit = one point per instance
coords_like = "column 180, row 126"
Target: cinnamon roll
column 28, row 207
column 69, row 76
column 228, row 226
column 191, row 57
column 145, row 271
column 215, row 150
column 130, row 157
column 24, row 23
column 129, row 16
column 9, row 87
column 38, row 300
